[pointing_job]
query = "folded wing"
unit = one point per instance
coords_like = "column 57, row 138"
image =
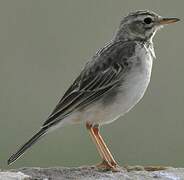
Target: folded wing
column 103, row 73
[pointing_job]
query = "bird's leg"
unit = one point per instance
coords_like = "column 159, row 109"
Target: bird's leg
column 105, row 162
column 104, row 147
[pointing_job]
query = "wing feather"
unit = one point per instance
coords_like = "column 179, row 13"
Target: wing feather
column 98, row 77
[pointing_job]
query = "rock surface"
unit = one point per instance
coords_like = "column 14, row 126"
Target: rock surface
column 91, row 173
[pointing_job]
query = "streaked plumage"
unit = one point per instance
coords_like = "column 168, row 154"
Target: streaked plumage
column 112, row 82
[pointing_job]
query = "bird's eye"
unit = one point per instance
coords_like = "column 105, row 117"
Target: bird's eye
column 148, row 20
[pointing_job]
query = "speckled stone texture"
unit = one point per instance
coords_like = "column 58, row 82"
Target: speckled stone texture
column 90, row 173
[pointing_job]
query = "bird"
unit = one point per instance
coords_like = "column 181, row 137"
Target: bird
column 111, row 83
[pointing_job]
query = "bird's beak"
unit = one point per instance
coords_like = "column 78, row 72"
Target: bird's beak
column 163, row 21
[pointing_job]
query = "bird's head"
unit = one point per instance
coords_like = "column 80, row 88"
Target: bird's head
column 142, row 25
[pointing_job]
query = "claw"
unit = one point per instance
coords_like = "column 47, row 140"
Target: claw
column 106, row 166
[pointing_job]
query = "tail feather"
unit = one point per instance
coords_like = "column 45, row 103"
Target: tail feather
column 26, row 146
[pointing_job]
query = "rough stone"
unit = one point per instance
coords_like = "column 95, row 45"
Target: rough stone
column 91, row 173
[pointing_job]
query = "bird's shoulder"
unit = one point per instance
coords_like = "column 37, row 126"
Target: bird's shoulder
column 112, row 53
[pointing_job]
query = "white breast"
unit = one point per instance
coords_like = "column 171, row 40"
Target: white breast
column 137, row 80
column 135, row 85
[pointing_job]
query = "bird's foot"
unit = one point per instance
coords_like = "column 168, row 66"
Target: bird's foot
column 106, row 166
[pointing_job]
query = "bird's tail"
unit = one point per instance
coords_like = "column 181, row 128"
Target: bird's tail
column 27, row 145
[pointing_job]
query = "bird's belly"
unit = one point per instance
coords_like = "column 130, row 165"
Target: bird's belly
column 131, row 91
column 129, row 94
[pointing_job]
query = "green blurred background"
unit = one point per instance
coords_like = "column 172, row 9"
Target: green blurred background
column 43, row 46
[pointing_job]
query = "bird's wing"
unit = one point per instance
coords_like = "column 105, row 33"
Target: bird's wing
column 99, row 76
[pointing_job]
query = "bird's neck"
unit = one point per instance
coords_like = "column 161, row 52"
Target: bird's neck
column 123, row 35
column 151, row 49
